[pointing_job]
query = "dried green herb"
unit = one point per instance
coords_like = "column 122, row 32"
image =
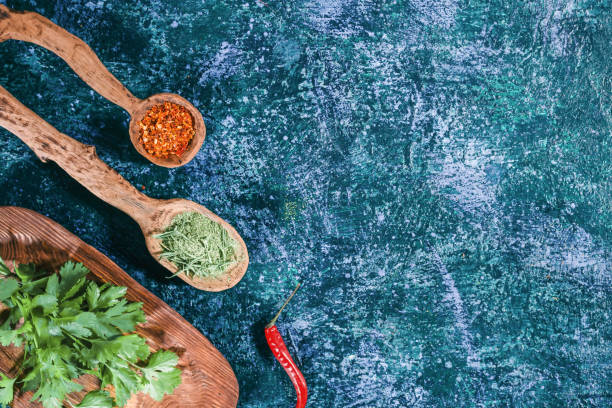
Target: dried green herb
column 71, row 326
column 198, row 246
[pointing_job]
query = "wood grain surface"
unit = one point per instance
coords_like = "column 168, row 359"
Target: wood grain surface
column 34, row 28
column 82, row 163
column 207, row 380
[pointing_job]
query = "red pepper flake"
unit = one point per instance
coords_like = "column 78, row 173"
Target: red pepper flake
column 280, row 351
column 166, row 130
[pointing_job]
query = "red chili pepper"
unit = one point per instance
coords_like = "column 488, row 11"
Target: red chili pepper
column 280, row 351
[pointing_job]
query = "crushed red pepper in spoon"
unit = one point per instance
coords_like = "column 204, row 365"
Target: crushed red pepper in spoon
column 166, row 129
column 280, row 351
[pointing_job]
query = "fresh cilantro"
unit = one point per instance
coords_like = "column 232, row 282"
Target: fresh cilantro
column 71, row 326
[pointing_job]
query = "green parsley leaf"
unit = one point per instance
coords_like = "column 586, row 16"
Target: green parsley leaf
column 52, row 393
column 52, row 285
column 124, row 316
column 72, row 275
column 6, row 389
column 75, row 289
column 93, row 294
column 28, row 272
column 8, row 286
column 8, row 337
column 76, row 329
column 111, row 295
column 162, row 361
column 162, row 384
column 96, row 399
column 48, row 303
column 124, row 379
column 161, row 374
column 131, row 347
column 4, row 270
column 35, row 287
column 95, row 323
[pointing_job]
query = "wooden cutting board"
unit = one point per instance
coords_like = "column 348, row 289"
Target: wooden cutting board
column 207, row 381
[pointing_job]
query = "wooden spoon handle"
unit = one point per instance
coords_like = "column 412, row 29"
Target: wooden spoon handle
column 80, row 161
column 34, row 28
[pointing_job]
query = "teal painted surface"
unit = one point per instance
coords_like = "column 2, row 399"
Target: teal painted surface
column 437, row 173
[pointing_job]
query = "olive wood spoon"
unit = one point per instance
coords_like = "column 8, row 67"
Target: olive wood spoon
column 82, row 163
column 34, row 28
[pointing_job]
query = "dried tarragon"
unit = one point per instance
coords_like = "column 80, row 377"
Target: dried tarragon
column 198, row 246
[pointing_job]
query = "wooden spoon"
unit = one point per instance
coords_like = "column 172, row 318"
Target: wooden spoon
column 34, row 28
column 82, row 163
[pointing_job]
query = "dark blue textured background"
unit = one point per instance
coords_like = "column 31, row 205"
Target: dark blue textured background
column 437, row 173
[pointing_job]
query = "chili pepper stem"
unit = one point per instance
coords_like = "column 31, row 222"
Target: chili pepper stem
column 273, row 321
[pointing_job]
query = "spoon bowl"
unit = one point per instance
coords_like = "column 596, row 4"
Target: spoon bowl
column 137, row 113
column 34, row 28
column 159, row 219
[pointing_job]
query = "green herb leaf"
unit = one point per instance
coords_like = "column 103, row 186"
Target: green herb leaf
column 4, row 270
column 52, row 393
column 75, row 289
column 76, row 329
column 125, row 316
column 92, row 295
column 96, row 399
column 111, row 295
column 8, row 337
column 47, row 303
column 72, row 274
column 52, row 285
column 125, row 381
column 6, row 389
column 163, row 383
column 28, row 272
column 8, row 286
column 161, row 374
column 162, row 361
column 35, row 287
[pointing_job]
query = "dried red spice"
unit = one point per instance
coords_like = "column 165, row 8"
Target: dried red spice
column 166, row 130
